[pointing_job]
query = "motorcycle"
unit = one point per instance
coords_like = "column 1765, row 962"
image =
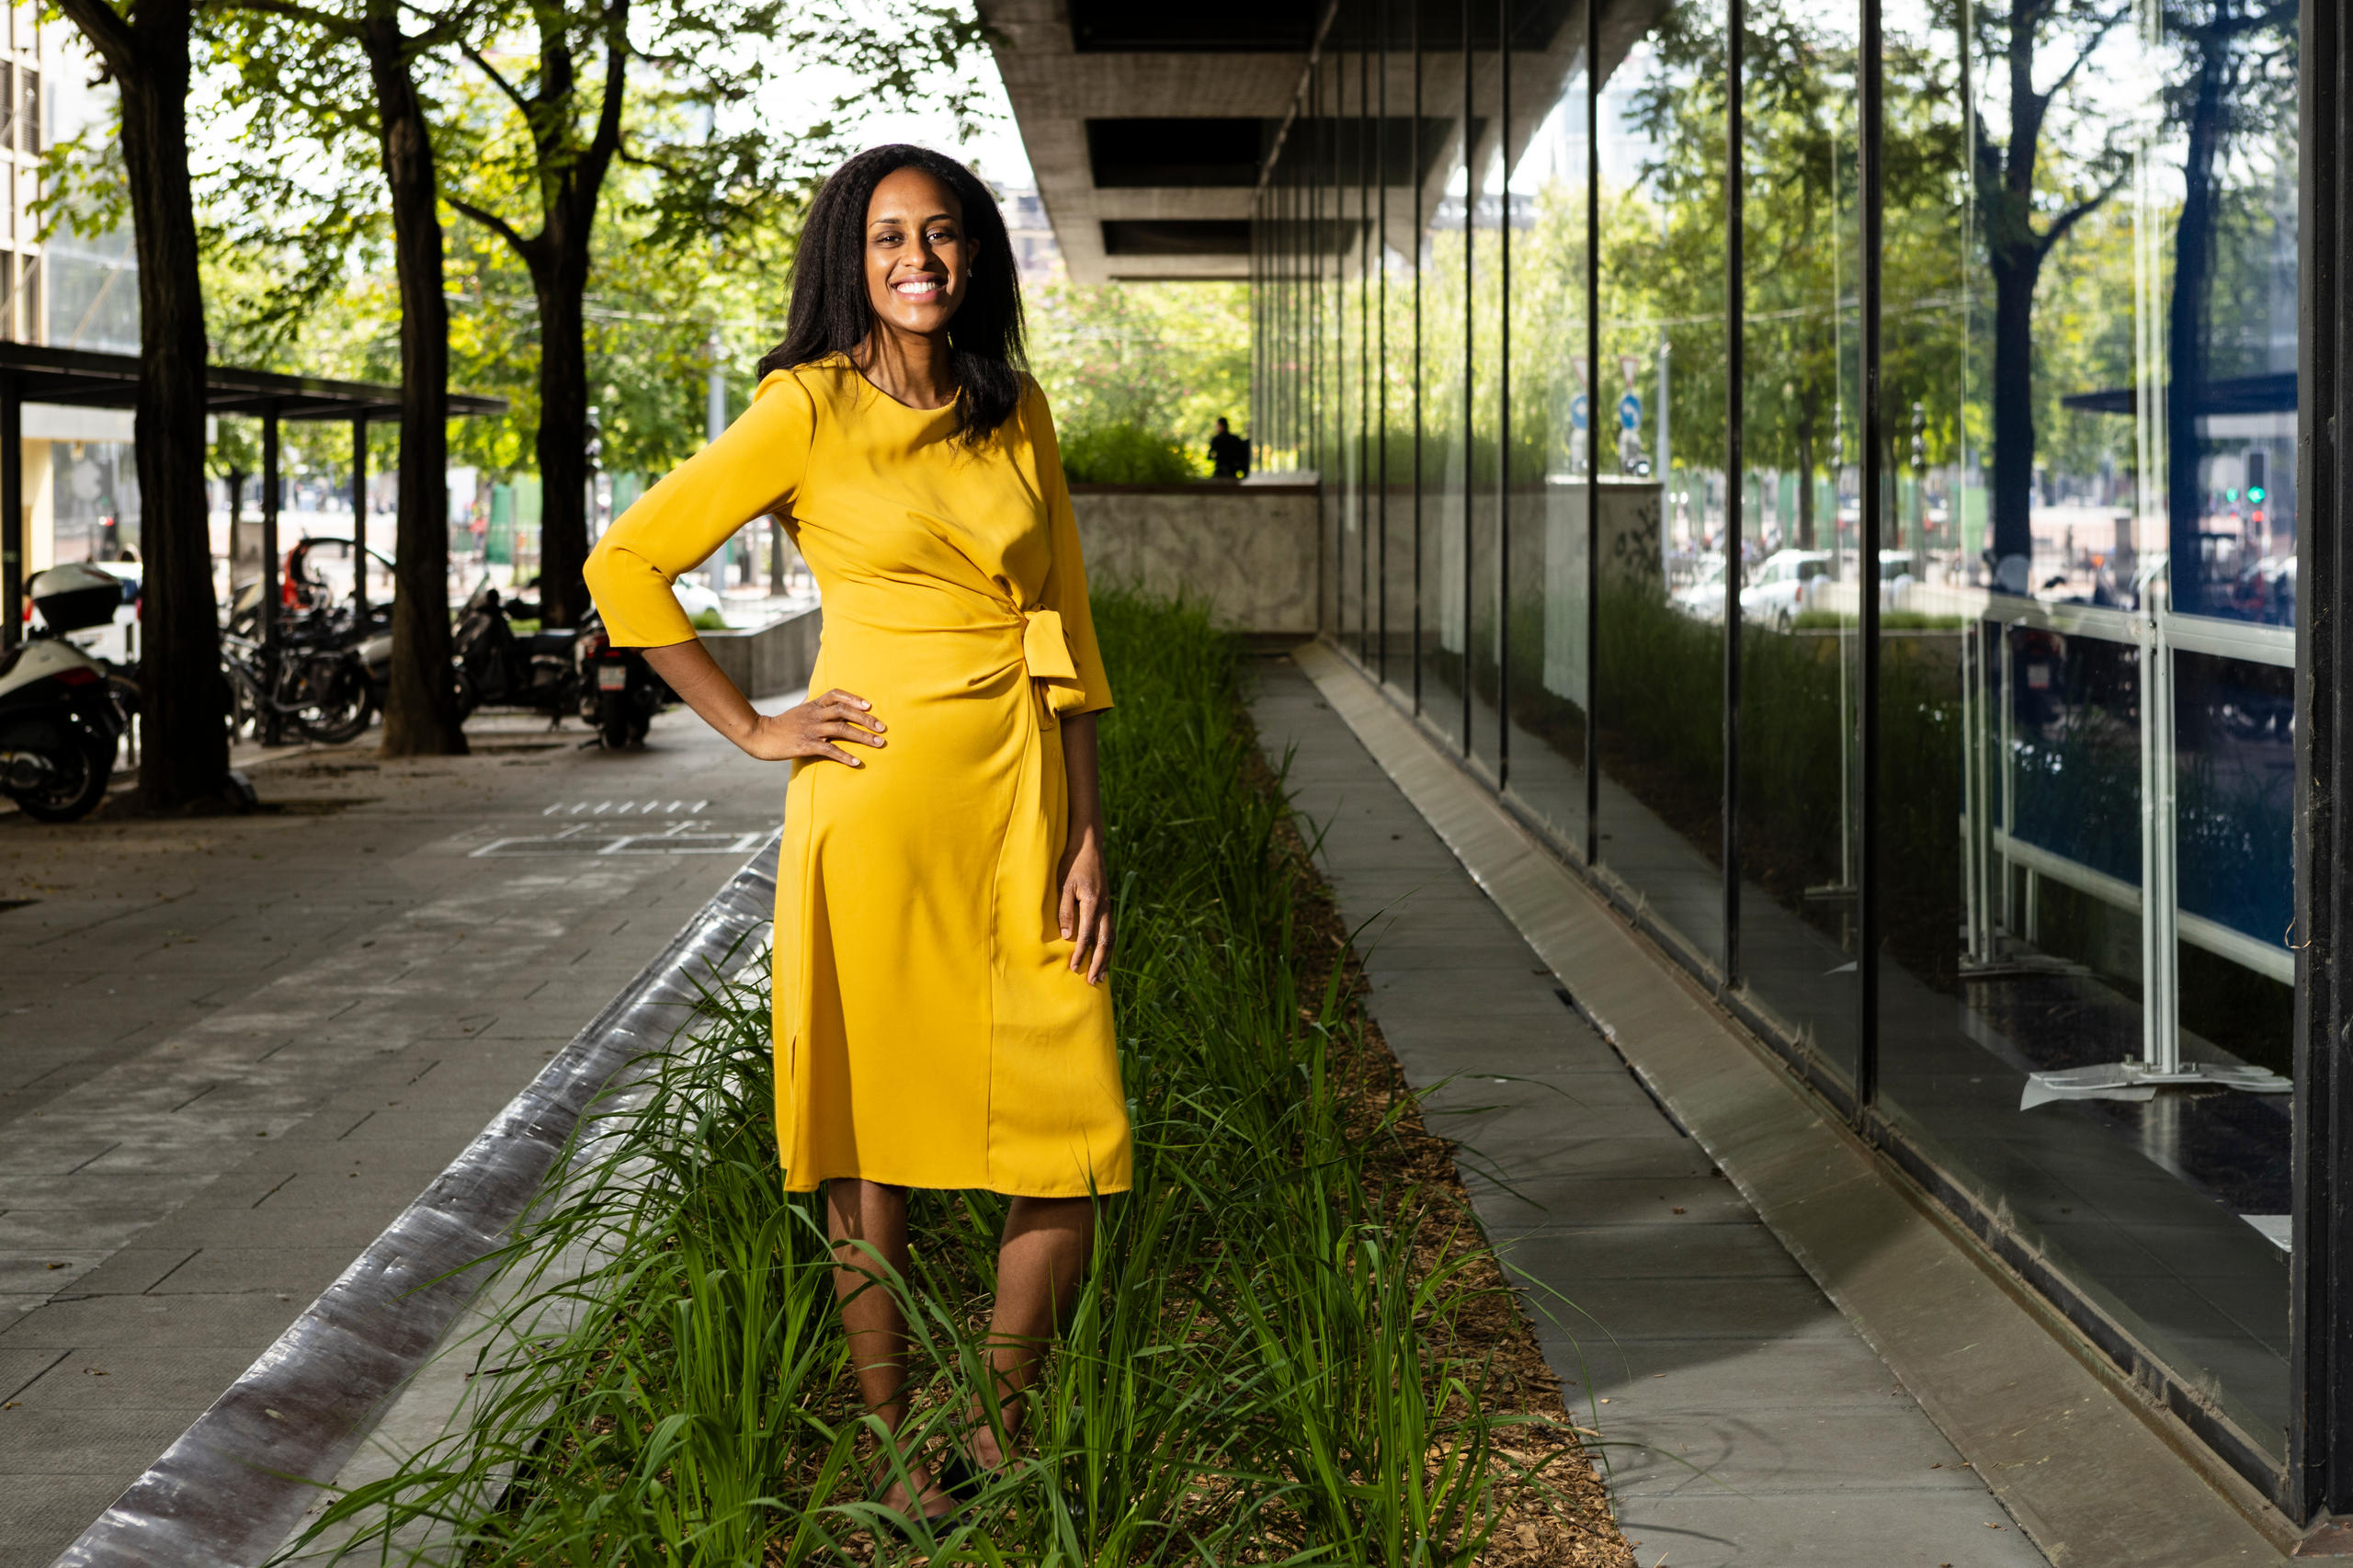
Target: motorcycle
column 497, row 666
column 619, row 693
column 60, row 724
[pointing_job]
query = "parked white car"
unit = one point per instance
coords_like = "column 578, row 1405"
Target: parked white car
column 697, row 599
column 1778, row 588
column 1702, row 599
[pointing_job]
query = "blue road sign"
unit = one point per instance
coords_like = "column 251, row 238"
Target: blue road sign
column 1580, row 411
column 1630, row 412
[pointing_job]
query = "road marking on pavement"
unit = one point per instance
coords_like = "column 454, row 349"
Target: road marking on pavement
column 624, row 808
column 683, row 837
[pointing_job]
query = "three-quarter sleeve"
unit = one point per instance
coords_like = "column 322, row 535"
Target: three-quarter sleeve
column 1066, row 588
column 751, row 469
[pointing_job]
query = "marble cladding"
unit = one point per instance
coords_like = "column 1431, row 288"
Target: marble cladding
column 1249, row 549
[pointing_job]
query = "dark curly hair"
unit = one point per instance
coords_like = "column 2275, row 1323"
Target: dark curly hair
column 831, row 313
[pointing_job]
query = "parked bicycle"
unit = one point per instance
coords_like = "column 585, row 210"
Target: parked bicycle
column 311, row 679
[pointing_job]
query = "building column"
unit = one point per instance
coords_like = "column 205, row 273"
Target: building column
column 272, row 578
column 12, row 513
column 2319, row 1481
column 360, row 515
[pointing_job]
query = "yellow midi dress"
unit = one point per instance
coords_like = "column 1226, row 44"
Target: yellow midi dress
column 928, row 1029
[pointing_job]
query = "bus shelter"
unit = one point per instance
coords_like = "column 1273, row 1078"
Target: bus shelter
column 72, row 377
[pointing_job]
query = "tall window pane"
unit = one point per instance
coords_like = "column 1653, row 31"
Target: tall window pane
column 1656, row 396
column 1445, row 268
column 1548, row 455
column 1487, row 215
column 1346, row 123
column 1398, row 168
column 2085, row 765
column 1795, row 509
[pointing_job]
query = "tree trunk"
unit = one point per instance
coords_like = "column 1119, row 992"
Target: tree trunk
column 421, row 715
column 1805, row 475
column 2016, row 270
column 184, row 749
column 563, row 441
column 2186, row 336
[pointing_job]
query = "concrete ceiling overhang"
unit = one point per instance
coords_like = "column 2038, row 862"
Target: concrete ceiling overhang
column 1151, row 127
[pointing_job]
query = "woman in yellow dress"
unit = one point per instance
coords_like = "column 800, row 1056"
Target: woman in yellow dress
column 943, row 918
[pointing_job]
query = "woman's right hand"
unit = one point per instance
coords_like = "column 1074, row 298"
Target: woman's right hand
column 813, row 728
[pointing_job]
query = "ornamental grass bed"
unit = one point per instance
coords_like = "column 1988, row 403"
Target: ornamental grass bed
column 1294, row 1346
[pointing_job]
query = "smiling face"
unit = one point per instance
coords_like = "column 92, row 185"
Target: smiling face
column 918, row 258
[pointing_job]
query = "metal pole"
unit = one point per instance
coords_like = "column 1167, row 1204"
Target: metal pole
column 1416, row 163
column 714, row 422
column 1735, row 462
column 1470, row 378
column 271, row 582
column 360, row 515
column 1381, row 267
column 12, row 513
column 1866, row 910
column 1502, row 406
column 1365, row 126
column 1593, row 430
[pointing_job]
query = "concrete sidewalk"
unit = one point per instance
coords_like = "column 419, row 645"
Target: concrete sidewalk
column 1744, row 1419
column 233, row 1049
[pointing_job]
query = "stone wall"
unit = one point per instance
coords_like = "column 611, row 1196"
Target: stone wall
column 773, row 659
column 1249, row 549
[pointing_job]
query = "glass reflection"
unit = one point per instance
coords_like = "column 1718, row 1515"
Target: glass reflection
column 1398, row 170
column 1654, row 414
column 1489, row 219
column 1547, row 455
column 1445, row 279
column 2085, row 809
column 1798, row 509
column 2085, row 580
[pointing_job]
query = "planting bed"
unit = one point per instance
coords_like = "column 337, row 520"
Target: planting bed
column 1294, row 1347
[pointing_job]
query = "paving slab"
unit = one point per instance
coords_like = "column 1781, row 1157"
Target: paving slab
column 236, row 1047
column 1739, row 1400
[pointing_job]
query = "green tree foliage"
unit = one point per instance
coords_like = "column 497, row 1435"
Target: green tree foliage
column 1166, row 360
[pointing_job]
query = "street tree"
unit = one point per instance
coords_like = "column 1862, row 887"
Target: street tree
column 2022, row 220
column 2229, row 46
column 541, row 174
column 364, row 68
column 145, row 48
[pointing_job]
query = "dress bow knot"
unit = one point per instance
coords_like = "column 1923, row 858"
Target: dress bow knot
column 1045, row 649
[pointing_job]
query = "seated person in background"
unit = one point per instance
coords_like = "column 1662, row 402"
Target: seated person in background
column 1229, row 454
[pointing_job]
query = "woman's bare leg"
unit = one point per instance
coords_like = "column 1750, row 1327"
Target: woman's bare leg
column 867, row 1219
column 1039, row 1269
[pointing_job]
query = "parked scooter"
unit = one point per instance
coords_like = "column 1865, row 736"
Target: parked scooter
column 60, row 726
column 619, row 693
column 496, row 665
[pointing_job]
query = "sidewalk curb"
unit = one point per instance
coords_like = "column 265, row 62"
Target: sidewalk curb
column 232, row 1487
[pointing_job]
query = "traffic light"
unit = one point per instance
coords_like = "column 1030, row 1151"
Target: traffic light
column 2258, row 471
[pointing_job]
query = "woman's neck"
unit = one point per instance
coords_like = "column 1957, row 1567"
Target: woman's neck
column 911, row 367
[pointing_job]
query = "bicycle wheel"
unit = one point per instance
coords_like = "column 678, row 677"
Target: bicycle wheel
column 336, row 701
